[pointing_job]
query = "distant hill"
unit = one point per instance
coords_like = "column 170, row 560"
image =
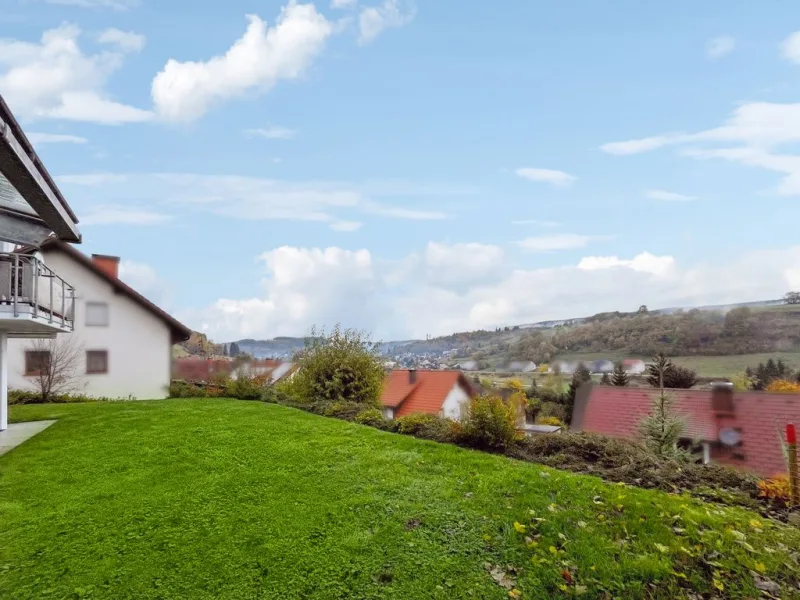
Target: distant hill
column 763, row 326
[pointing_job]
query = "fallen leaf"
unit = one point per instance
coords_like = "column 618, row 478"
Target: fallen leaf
column 662, row 548
column 582, row 524
column 761, row 567
column 519, row 527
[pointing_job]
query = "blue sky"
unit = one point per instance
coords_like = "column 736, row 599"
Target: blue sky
column 418, row 168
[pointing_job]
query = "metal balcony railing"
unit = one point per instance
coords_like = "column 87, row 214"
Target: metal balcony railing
column 30, row 288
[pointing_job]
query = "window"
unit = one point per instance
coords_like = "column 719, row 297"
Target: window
column 97, row 314
column 36, row 361
column 96, row 361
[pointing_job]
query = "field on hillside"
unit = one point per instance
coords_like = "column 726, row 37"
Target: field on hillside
column 227, row 499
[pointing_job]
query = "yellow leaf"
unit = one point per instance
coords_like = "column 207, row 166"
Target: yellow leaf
column 755, row 524
column 519, row 527
column 515, row 593
column 718, row 585
column 552, row 508
column 553, row 550
column 582, row 524
column 662, row 548
column 761, row 567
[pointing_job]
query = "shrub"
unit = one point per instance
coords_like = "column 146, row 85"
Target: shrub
column 428, row 427
column 343, row 366
column 631, row 462
column 245, row 387
column 552, row 409
column 343, row 409
column 549, row 421
column 274, row 394
column 34, row 397
column 372, row 417
column 784, row 386
column 490, row 423
column 184, row 389
column 663, row 427
column 777, row 489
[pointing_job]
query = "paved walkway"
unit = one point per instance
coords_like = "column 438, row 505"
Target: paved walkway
column 19, row 432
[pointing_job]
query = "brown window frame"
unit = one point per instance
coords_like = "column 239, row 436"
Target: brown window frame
column 104, row 354
column 32, row 369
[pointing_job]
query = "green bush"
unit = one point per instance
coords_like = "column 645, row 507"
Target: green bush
column 184, row 389
column 245, row 387
column 274, row 394
column 372, row 417
column 32, row 397
column 490, row 424
column 343, row 366
column 549, row 421
column 342, row 410
column 428, row 427
column 552, row 409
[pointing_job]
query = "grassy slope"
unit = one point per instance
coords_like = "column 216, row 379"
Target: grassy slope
column 227, row 499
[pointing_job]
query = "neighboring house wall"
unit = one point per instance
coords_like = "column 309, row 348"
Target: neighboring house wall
column 455, row 403
column 388, row 413
column 138, row 343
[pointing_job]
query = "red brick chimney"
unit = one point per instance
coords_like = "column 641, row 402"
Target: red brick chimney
column 722, row 398
column 108, row 264
column 412, row 376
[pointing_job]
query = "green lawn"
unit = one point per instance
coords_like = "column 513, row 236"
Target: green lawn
column 228, row 499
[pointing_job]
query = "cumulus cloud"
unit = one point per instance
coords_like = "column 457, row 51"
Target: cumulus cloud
column 561, row 241
column 263, row 56
column 665, row 196
column 551, row 176
column 344, row 3
column 307, row 286
column 374, row 20
column 144, row 279
column 54, row 79
column 127, row 41
column 720, row 46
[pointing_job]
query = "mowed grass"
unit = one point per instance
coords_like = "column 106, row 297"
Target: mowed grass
column 228, row 499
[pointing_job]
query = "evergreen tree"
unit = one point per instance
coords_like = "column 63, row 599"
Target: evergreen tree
column 657, row 371
column 533, row 391
column 234, row 350
column 663, row 427
column 605, row 379
column 620, row 377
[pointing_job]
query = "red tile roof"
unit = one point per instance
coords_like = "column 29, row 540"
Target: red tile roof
column 758, row 416
column 426, row 395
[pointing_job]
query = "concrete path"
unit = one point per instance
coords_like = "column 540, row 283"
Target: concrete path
column 19, row 432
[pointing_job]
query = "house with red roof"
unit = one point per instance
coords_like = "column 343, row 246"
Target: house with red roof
column 442, row 393
column 740, row 429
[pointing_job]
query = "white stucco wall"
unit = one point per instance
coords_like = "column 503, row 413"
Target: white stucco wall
column 138, row 343
column 388, row 413
column 456, row 403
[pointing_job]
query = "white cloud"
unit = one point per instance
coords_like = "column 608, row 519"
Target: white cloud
column 561, row 241
column 551, row 176
column 126, row 41
column 346, row 226
column 644, row 262
column 302, row 287
column 271, row 132
column 791, row 47
column 463, row 263
column 54, row 79
column 253, row 198
column 307, row 286
column 755, row 130
column 123, row 215
column 639, row 146
column 665, row 196
column 184, row 91
column 144, row 279
column 720, row 46
column 39, row 139
column 373, row 20
column 344, row 4
column 113, row 4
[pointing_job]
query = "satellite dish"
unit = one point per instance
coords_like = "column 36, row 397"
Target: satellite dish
column 729, row 437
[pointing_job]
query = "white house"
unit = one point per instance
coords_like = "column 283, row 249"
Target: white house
column 35, row 301
column 442, row 393
column 125, row 340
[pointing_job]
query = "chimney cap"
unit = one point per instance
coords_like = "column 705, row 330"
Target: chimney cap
column 106, row 257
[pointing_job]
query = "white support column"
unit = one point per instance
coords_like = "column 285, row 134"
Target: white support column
column 3, row 380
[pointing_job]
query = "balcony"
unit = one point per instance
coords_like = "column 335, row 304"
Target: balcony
column 34, row 301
